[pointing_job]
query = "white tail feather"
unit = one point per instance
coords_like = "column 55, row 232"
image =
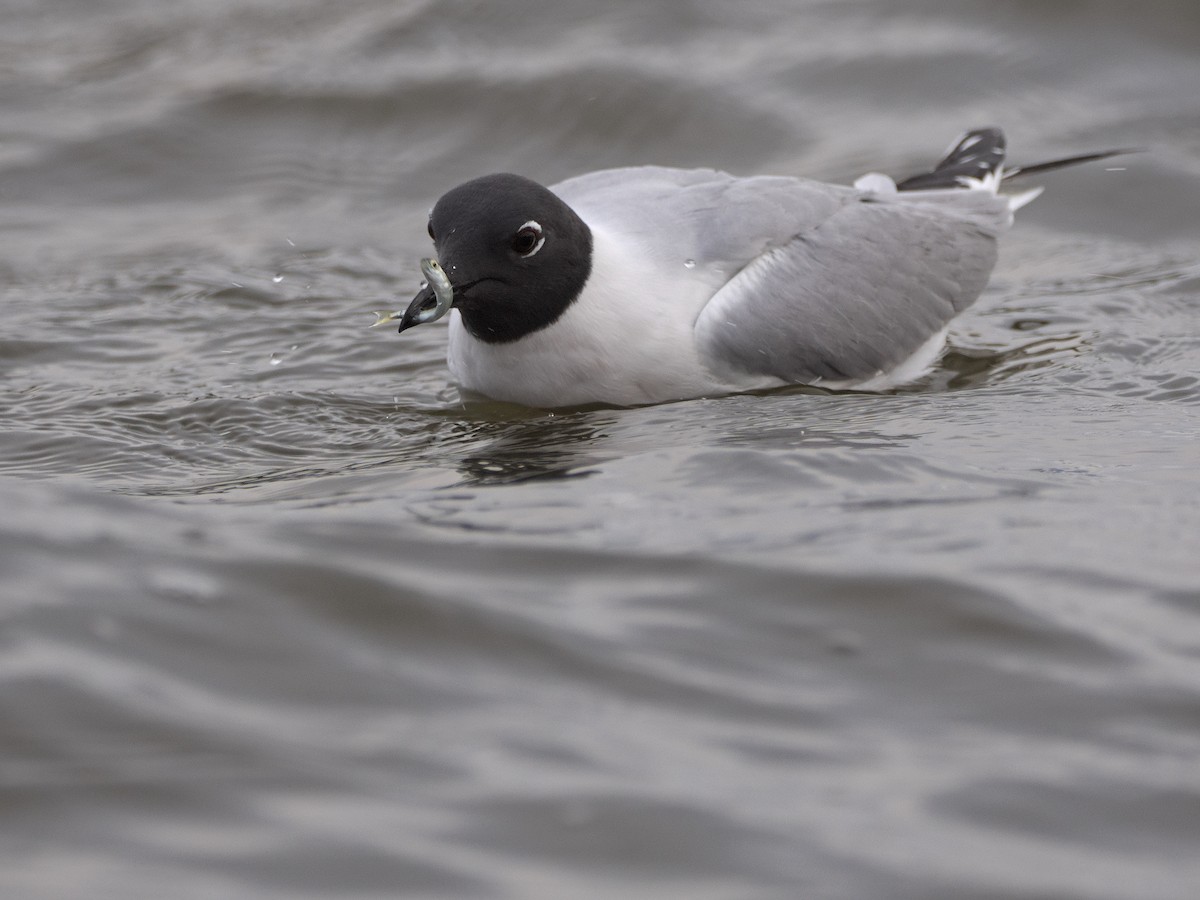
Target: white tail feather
column 1016, row 201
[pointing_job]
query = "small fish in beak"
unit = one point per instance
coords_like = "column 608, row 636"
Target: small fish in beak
column 431, row 303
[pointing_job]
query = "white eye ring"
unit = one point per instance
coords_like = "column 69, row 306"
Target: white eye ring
column 534, row 228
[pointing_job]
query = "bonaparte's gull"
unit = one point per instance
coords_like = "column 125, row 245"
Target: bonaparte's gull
column 641, row 285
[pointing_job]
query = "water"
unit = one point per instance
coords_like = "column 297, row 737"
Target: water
column 282, row 618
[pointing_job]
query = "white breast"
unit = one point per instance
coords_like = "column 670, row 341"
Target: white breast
column 627, row 340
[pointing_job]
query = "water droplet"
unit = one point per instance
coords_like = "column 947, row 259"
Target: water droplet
column 277, row 279
column 689, row 264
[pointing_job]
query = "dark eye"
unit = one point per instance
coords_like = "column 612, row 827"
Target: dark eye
column 429, row 228
column 528, row 240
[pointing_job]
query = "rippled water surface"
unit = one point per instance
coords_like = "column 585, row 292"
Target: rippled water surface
column 282, row 617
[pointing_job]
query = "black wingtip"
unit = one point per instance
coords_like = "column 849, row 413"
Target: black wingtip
column 978, row 153
column 1053, row 164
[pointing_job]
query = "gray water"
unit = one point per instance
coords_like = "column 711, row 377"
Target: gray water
column 281, row 617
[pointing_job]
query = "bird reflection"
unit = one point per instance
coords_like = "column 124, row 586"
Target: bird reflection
column 548, row 446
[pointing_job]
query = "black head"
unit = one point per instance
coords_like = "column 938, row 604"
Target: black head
column 516, row 255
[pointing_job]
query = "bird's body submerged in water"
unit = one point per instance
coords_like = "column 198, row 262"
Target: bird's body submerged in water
column 643, row 285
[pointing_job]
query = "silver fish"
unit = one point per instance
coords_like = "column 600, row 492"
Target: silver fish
column 432, row 307
column 382, row 317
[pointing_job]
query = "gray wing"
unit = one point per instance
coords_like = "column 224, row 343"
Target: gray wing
column 859, row 292
column 715, row 220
